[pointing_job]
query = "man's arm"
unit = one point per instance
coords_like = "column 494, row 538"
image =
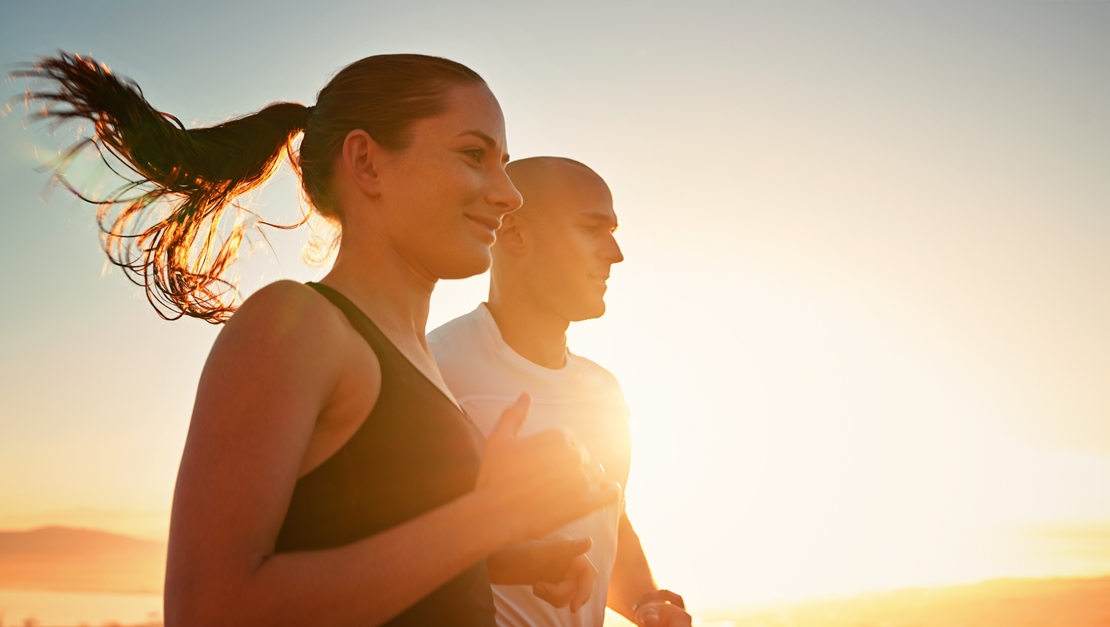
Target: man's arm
column 631, row 579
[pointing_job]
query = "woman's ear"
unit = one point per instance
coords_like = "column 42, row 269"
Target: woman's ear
column 362, row 157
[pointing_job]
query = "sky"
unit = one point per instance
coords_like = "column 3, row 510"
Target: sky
column 863, row 324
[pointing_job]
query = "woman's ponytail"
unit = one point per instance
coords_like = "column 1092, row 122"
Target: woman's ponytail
column 179, row 255
column 168, row 228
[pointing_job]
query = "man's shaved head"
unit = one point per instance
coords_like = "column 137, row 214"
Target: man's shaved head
column 543, row 181
column 556, row 250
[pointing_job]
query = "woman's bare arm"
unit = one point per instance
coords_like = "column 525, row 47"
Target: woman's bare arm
column 284, row 361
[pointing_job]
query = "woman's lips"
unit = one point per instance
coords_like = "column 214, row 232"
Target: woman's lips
column 493, row 222
column 487, row 222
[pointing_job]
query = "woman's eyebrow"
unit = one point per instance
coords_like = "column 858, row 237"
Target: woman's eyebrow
column 490, row 142
column 486, row 139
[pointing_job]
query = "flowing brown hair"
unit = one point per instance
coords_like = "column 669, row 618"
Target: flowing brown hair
column 167, row 227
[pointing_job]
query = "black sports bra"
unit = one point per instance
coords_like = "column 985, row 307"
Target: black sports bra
column 415, row 451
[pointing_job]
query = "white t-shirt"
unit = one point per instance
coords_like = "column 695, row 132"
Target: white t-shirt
column 486, row 376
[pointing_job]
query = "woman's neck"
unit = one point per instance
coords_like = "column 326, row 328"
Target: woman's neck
column 393, row 292
column 383, row 284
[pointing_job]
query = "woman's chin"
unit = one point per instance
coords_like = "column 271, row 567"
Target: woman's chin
column 465, row 264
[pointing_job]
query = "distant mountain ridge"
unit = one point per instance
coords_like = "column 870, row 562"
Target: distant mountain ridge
column 69, row 541
column 88, row 560
column 1015, row 602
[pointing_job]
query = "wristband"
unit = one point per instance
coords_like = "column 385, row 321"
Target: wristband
column 659, row 595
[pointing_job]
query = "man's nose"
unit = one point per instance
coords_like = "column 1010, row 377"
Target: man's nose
column 612, row 252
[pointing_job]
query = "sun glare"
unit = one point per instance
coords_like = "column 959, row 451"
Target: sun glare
column 784, row 447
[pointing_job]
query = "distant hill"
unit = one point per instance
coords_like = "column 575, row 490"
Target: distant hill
column 67, row 559
column 62, row 558
column 997, row 603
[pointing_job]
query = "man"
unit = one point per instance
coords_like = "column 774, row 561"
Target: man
column 550, row 265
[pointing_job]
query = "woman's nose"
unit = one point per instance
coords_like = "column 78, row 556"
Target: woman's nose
column 504, row 195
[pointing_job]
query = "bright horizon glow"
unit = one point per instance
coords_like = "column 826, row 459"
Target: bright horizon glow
column 862, row 321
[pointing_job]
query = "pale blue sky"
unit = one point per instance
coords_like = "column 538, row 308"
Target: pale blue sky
column 868, row 263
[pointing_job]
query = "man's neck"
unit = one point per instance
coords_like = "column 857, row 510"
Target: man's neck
column 535, row 333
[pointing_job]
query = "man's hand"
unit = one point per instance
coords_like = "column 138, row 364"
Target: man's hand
column 573, row 587
column 558, row 570
column 662, row 614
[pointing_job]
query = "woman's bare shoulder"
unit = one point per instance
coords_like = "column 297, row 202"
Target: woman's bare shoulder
column 283, row 324
column 287, row 311
column 288, row 355
column 286, row 303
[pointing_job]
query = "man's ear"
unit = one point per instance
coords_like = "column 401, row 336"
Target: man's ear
column 361, row 160
column 512, row 235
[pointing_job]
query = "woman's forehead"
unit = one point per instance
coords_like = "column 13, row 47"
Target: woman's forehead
column 470, row 109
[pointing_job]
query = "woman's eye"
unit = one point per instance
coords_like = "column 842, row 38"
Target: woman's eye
column 475, row 153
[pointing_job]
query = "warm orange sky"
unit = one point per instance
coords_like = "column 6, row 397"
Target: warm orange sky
column 863, row 321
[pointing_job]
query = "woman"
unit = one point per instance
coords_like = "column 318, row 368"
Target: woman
column 328, row 476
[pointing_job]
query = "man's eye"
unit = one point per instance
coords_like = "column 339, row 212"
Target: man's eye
column 590, row 229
